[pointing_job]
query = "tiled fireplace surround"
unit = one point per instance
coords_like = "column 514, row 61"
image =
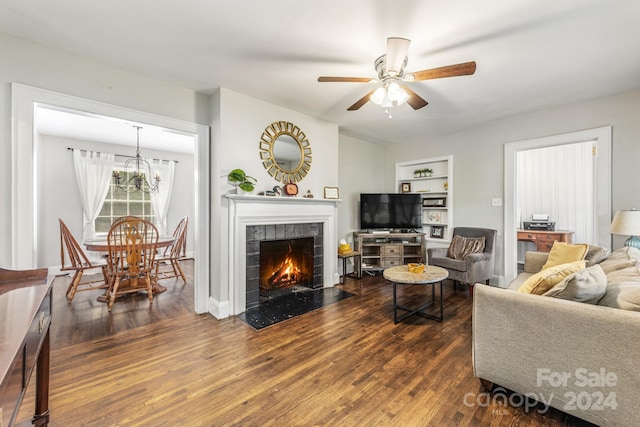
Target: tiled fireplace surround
column 261, row 233
column 284, row 217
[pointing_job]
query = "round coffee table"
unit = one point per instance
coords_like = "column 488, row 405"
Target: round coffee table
column 430, row 276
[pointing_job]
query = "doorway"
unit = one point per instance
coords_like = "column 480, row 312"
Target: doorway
column 24, row 225
column 600, row 139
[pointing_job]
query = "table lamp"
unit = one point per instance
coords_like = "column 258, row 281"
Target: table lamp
column 627, row 223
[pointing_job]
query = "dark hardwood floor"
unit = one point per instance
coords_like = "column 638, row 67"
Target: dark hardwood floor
column 344, row 364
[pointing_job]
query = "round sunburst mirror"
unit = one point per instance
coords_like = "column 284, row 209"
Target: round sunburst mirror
column 285, row 152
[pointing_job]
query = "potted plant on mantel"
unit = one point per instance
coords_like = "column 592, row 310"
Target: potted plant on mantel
column 241, row 180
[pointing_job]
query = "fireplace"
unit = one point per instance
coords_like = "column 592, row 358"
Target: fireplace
column 282, row 258
column 252, row 219
column 285, row 264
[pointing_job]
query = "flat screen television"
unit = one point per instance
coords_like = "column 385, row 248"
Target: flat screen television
column 390, row 211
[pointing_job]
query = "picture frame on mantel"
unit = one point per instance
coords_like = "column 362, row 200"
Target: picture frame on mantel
column 405, row 187
column 331, row 193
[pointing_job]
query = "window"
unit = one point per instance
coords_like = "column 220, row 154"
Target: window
column 121, row 203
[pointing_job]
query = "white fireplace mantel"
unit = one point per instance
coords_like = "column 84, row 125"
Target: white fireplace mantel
column 266, row 210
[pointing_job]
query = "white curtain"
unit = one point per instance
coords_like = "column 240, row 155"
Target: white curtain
column 93, row 174
column 160, row 199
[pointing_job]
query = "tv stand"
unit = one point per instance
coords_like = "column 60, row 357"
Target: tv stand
column 379, row 232
column 384, row 250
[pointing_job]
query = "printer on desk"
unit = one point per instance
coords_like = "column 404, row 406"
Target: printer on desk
column 539, row 222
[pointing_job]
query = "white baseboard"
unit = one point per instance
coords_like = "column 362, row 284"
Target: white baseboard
column 219, row 309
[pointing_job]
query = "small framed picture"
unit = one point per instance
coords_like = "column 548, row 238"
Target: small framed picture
column 434, row 216
column 405, row 187
column 331, row 193
column 434, row 202
column 437, row 232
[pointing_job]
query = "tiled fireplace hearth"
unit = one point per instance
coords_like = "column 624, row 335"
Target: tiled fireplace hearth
column 254, row 219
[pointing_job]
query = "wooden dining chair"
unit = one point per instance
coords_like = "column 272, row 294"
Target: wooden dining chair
column 132, row 244
column 73, row 258
column 168, row 263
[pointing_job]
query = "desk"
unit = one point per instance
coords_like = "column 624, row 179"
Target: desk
column 101, row 245
column 25, row 305
column 430, row 276
column 544, row 239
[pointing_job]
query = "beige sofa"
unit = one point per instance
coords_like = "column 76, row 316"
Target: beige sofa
column 580, row 358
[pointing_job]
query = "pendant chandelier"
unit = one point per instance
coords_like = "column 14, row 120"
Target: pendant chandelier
column 138, row 170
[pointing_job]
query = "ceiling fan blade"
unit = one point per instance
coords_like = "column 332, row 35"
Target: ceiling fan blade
column 346, row 79
column 397, row 48
column 464, row 69
column 360, row 102
column 415, row 101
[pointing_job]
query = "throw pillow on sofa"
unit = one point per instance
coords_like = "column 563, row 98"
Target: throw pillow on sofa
column 588, row 286
column 460, row 246
column 621, row 258
column 544, row 280
column 563, row 253
column 628, row 274
column 623, row 295
column 595, row 255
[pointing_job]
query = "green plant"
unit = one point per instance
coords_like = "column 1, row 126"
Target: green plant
column 422, row 171
column 245, row 182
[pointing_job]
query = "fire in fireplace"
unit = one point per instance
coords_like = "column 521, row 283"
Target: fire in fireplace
column 285, row 264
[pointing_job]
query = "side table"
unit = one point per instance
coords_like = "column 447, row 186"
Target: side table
column 357, row 265
column 430, row 276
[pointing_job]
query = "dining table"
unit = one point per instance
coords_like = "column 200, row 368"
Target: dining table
column 101, row 245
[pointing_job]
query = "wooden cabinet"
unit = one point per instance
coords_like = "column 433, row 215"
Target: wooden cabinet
column 25, row 305
column 544, row 239
column 384, row 250
column 436, row 189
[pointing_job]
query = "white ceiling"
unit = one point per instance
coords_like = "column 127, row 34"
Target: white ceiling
column 530, row 54
column 51, row 120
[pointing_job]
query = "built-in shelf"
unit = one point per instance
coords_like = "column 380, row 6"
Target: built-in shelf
column 436, row 191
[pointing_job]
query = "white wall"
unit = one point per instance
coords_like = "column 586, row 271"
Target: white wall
column 58, row 196
column 557, row 181
column 55, row 70
column 360, row 166
column 479, row 156
column 237, row 125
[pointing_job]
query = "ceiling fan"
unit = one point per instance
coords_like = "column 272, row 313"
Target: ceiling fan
column 390, row 69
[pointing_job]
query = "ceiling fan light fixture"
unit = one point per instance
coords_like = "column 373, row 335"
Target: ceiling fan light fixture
column 386, row 103
column 403, row 96
column 396, row 56
column 391, row 72
column 394, row 91
column 378, row 96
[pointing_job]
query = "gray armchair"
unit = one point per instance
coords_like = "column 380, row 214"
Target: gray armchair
column 475, row 268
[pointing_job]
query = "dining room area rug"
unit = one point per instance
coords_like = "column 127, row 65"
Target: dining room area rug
column 288, row 306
